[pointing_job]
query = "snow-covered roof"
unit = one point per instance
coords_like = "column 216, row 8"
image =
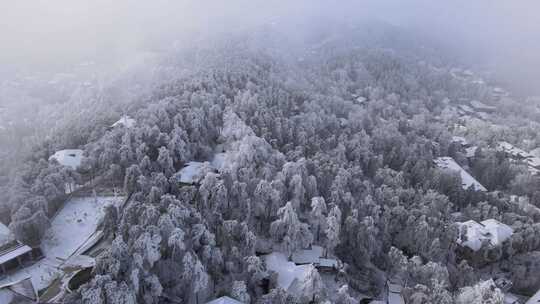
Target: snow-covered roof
column 471, row 151
column 394, row 294
column 491, row 230
column 531, row 159
column 511, row 149
column 21, row 291
column 466, row 108
column 4, row 234
column 498, row 231
column 124, row 121
column 192, row 173
column 330, row 263
column 478, row 105
column 13, row 252
column 308, row 256
column 69, row 158
column 224, row 300
column 460, row 140
column 287, row 271
column 361, row 99
column 535, row 299
column 467, row 180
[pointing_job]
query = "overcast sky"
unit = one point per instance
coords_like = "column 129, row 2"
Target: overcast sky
column 506, row 33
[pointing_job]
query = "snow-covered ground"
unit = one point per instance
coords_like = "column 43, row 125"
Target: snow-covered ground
column 69, row 230
column 466, row 179
column 287, row 271
column 74, row 224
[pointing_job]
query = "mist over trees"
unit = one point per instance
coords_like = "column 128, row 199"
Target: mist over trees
column 328, row 141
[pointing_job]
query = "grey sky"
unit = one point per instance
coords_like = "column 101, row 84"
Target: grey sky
column 505, row 33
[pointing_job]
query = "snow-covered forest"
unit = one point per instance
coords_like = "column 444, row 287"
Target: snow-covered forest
column 362, row 164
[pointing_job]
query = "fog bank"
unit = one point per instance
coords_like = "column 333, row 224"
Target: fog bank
column 502, row 34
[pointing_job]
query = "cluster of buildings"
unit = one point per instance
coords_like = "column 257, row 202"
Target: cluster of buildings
column 530, row 160
column 490, row 232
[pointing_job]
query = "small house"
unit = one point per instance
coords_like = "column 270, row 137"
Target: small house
column 482, row 107
column 125, row 122
column 474, row 235
column 314, row 256
column 192, row 173
column 224, row 300
column 70, row 158
column 15, row 255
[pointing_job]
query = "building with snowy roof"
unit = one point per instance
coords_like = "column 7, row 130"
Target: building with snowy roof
column 125, row 121
column 532, row 161
column 192, row 173
column 460, row 140
column 314, row 256
column 491, row 232
column 18, row 292
column 482, row 107
column 510, row 149
column 70, row 158
column 224, row 300
column 394, row 293
column 14, row 255
column 467, row 181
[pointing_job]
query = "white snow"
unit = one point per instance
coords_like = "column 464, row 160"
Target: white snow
column 460, row 140
column 498, row 231
column 42, row 273
column 69, row 230
column 22, row 287
column 394, row 294
column 124, row 121
column 14, row 252
column 69, row 158
column 5, row 234
column 74, row 224
column 192, row 172
column 308, row 256
column 480, row 106
column 224, row 300
column 531, row 159
column 466, row 109
column 492, row 231
column 466, row 179
column 329, row 263
column 511, row 299
column 535, row 299
column 287, row 271
column 218, row 161
column 535, row 152
column 511, row 149
column 470, row 152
